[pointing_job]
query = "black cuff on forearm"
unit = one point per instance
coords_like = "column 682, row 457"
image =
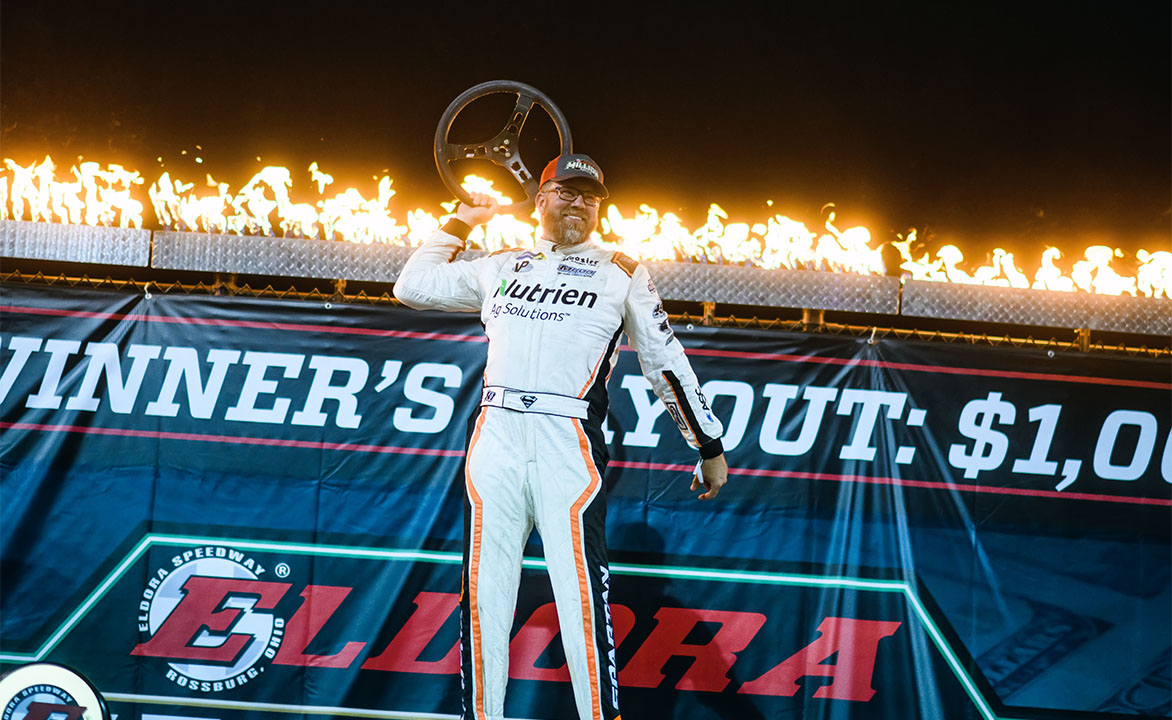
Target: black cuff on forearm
column 458, row 228
column 711, row 449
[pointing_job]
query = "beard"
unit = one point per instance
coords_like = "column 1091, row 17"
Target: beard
column 564, row 230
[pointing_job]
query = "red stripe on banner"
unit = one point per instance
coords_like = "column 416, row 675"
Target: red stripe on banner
column 301, row 327
column 628, row 464
column 900, row 482
column 233, row 440
column 251, row 324
column 925, row 368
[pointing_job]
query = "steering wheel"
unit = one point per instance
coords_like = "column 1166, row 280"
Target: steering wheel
column 502, row 149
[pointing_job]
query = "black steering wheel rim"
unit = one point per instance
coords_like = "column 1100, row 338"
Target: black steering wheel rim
column 503, row 149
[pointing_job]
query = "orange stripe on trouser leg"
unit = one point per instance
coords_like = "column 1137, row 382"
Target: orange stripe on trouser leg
column 582, row 392
column 580, row 563
column 473, row 575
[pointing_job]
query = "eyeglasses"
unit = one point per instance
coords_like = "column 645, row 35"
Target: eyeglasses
column 569, row 195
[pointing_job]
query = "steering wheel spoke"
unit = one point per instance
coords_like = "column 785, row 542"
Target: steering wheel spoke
column 520, row 114
column 469, row 151
column 523, row 177
column 504, row 148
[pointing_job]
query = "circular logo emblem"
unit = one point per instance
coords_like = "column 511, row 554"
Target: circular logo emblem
column 45, row 690
column 207, row 616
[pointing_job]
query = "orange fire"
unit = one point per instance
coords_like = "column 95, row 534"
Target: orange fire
column 264, row 206
column 96, row 196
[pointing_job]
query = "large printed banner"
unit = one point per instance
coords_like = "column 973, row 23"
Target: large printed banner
column 227, row 508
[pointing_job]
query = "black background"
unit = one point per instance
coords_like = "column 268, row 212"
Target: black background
column 984, row 123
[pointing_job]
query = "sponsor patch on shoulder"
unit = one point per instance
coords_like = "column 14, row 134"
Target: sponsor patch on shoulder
column 626, row 263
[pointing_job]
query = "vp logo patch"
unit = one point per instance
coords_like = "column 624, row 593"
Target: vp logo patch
column 523, row 264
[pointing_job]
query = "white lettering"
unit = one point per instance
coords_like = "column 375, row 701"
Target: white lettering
column 1109, row 435
column 183, row 364
column 59, row 351
column 859, row 447
column 256, row 385
column 1036, row 463
column 1166, row 461
column 404, row 419
column 607, row 433
column 612, row 665
column 22, row 348
column 391, row 370
column 647, row 409
column 817, row 397
column 104, row 360
column 324, row 367
column 742, row 394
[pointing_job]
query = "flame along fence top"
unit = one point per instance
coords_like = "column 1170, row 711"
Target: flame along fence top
column 111, row 196
column 704, row 283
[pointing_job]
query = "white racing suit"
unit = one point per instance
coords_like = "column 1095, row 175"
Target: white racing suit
column 536, row 454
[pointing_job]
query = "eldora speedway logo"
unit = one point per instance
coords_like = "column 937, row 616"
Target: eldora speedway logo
column 48, row 691
column 40, row 701
column 207, row 613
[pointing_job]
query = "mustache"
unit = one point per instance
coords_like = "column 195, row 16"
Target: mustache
column 568, row 225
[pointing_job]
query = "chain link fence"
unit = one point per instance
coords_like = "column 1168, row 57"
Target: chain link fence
column 811, row 323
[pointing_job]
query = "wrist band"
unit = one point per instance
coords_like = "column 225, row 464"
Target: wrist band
column 711, row 449
column 458, row 229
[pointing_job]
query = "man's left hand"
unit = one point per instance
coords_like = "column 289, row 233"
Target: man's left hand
column 715, row 471
column 482, row 209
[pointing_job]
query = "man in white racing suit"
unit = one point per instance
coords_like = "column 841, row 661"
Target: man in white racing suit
column 553, row 315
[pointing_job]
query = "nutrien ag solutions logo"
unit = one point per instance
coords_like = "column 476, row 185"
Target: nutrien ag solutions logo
column 208, row 615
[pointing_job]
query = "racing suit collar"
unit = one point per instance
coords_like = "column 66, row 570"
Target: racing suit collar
column 544, row 245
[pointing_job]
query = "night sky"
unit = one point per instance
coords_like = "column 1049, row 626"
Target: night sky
column 1012, row 123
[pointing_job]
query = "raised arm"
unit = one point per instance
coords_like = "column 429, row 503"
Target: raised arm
column 430, row 280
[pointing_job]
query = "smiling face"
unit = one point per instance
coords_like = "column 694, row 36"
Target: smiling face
column 567, row 223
